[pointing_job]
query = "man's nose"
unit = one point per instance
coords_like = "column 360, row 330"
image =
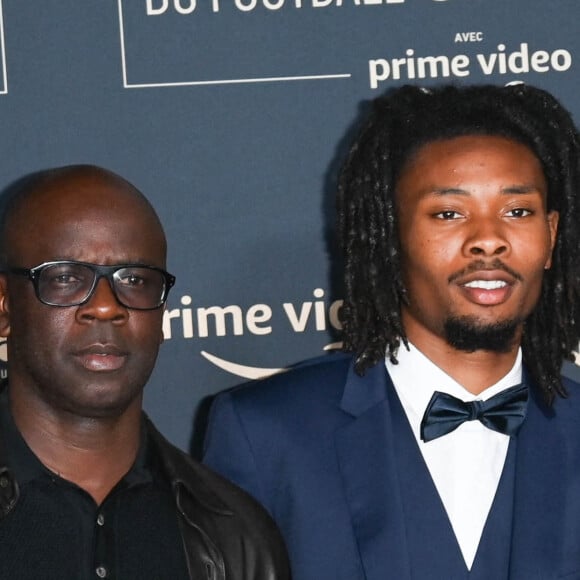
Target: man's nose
column 487, row 238
column 103, row 304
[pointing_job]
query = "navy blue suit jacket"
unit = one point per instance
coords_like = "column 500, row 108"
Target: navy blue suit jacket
column 313, row 446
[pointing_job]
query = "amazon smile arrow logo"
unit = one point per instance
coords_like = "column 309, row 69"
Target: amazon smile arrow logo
column 250, row 372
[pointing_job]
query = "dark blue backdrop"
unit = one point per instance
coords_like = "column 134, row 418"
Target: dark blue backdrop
column 231, row 116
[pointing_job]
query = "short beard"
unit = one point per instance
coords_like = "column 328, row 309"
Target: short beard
column 467, row 334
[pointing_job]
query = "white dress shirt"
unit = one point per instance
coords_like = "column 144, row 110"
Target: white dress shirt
column 466, row 464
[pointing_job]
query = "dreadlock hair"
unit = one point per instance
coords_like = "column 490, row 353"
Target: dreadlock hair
column 400, row 123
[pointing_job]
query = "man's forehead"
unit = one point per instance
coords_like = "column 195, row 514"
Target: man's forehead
column 77, row 194
column 77, row 208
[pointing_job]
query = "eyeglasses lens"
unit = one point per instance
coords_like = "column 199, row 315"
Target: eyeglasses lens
column 68, row 284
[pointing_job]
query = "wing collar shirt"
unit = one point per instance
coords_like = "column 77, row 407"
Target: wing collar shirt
column 466, row 464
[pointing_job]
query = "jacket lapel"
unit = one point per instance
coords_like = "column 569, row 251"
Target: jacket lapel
column 368, row 469
column 540, row 486
column 546, row 513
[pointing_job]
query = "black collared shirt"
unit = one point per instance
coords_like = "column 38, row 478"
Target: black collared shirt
column 57, row 531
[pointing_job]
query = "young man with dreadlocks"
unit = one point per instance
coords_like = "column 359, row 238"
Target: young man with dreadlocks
column 446, row 445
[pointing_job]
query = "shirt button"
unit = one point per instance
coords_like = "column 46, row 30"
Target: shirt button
column 101, row 520
column 101, row 572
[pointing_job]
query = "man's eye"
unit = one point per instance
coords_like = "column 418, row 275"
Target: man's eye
column 448, row 215
column 64, row 279
column 132, row 280
column 519, row 212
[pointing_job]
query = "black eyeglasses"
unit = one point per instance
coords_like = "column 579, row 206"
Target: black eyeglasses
column 69, row 283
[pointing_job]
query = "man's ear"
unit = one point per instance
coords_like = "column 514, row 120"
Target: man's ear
column 553, row 218
column 4, row 307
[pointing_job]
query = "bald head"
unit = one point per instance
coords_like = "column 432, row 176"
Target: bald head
column 98, row 222
column 64, row 196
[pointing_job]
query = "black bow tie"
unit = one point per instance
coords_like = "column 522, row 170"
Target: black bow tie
column 504, row 413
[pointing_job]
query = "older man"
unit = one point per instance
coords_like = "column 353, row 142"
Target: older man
column 88, row 487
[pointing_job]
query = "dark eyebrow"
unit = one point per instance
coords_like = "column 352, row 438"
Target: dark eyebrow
column 521, row 189
column 449, row 191
column 512, row 189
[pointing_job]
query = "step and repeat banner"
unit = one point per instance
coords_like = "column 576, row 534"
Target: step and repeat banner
column 233, row 116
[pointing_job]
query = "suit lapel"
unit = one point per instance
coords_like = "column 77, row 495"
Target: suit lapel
column 367, row 464
column 539, row 495
column 368, row 469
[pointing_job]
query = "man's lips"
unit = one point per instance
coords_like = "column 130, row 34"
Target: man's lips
column 487, row 287
column 482, row 270
column 101, row 357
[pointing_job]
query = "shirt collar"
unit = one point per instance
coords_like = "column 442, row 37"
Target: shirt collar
column 26, row 466
column 416, row 378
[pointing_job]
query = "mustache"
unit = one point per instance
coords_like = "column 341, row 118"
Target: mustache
column 480, row 265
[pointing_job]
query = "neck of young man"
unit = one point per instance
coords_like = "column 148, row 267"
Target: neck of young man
column 474, row 370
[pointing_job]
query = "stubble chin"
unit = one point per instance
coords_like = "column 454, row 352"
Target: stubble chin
column 469, row 334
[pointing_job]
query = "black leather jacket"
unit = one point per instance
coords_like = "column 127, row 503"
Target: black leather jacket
column 226, row 534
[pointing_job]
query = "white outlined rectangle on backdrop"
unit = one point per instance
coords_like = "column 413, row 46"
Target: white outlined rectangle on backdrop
column 4, row 75
column 129, row 85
